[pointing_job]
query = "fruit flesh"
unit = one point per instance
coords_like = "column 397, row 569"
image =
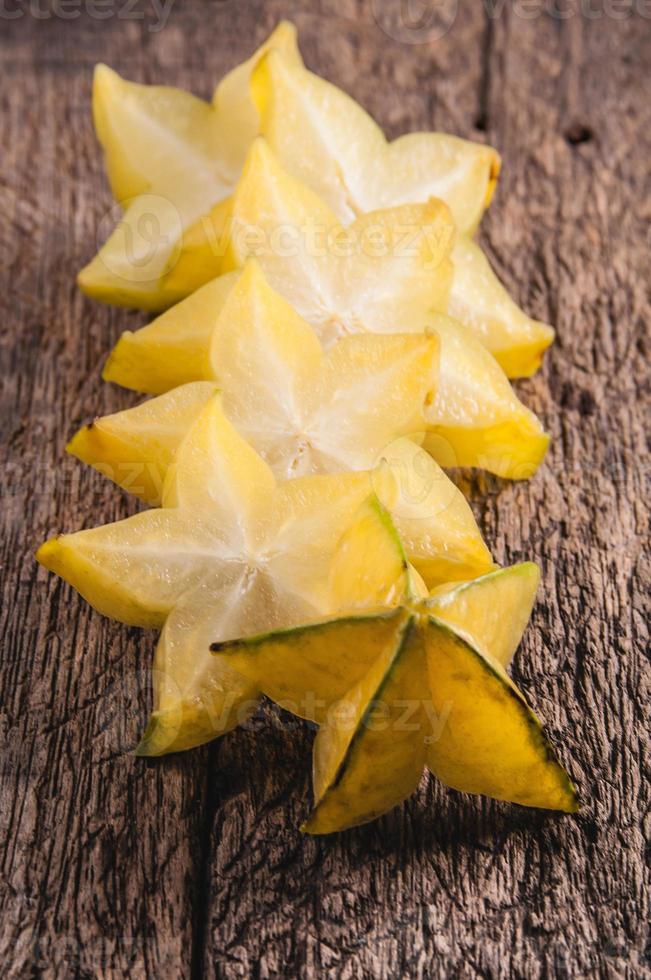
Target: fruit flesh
column 230, row 552
column 174, row 348
column 479, row 300
column 417, row 690
column 359, row 772
column 328, row 141
column 304, row 248
column 477, row 419
column 492, row 612
column 137, row 448
column 492, row 743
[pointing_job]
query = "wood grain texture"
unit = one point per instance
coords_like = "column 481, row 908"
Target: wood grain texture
column 193, row 866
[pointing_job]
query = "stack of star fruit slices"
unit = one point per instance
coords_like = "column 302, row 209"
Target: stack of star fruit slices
column 475, row 418
column 324, row 399
column 173, row 162
column 499, row 435
column 305, row 411
column 232, row 550
column 404, row 680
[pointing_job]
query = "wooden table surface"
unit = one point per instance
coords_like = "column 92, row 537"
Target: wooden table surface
column 193, row 866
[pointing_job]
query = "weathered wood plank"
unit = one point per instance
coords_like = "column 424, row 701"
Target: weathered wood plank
column 114, row 867
column 101, row 851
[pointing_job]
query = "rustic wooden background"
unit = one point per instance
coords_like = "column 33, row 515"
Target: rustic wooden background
column 193, row 866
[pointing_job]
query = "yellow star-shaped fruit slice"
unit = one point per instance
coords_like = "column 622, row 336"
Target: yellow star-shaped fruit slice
column 304, row 411
column 387, row 272
column 325, row 138
column 136, row 448
column 419, row 682
column 170, row 158
column 231, row 551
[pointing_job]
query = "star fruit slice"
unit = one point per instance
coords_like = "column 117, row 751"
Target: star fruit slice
column 136, row 448
column 379, row 275
column 231, row 551
column 304, row 410
column 433, row 516
column 170, row 158
column 325, row 139
column 416, row 683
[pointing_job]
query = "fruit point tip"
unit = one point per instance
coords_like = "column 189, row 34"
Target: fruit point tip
column 45, row 552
